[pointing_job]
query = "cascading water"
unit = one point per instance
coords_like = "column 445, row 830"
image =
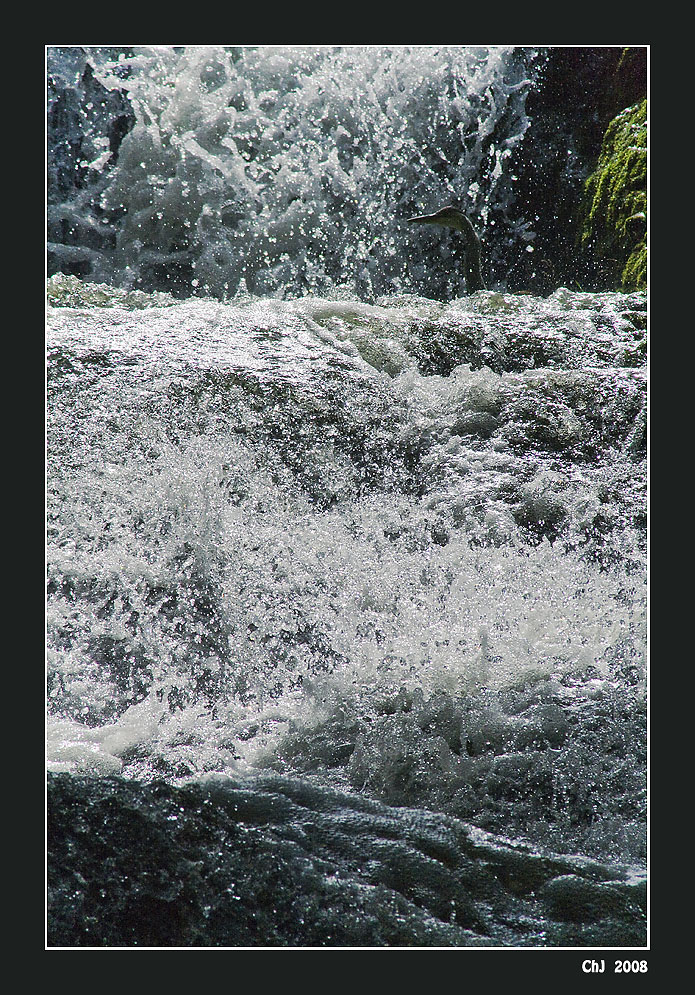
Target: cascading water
column 347, row 589
column 290, row 170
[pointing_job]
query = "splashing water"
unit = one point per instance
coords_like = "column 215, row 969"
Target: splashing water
column 286, row 170
column 267, row 551
column 329, row 563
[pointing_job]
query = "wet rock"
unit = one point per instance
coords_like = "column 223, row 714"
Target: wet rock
column 283, row 862
column 575, row 899
column 614, row 211
column 480, row 423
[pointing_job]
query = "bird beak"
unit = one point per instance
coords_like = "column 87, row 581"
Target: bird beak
column 422, row 219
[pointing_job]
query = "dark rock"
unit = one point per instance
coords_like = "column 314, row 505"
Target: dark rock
column 579, row 91
column 279, row 862
column 575, row 899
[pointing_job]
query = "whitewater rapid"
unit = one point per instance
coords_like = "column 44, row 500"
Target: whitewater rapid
column 347, row 608
column 275, row 543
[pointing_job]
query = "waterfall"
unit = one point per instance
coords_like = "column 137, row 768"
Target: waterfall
column 283, row 170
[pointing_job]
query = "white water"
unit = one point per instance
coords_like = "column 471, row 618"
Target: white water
column 284, row 170
column 266, row 552
column 304, row 518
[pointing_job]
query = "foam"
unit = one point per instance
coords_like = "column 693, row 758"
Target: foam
column 254, row 166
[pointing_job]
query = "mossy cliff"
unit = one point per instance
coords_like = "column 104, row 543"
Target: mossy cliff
column 577, row 94
column 614, row 209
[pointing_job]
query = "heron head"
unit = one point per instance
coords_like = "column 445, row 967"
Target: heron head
column 448, row 217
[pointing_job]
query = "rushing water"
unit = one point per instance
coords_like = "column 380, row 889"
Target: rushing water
column 282, row 169
column 379, row 556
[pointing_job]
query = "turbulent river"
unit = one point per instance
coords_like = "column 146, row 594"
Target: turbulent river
column 275, row 544
column 346, row 611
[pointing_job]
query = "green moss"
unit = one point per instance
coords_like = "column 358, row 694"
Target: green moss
column 614, row 209
column 634, row 275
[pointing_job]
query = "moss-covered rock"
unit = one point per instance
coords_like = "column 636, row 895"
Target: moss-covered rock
column 614, row 210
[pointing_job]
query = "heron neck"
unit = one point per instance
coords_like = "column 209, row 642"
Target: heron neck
column 474, row 272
